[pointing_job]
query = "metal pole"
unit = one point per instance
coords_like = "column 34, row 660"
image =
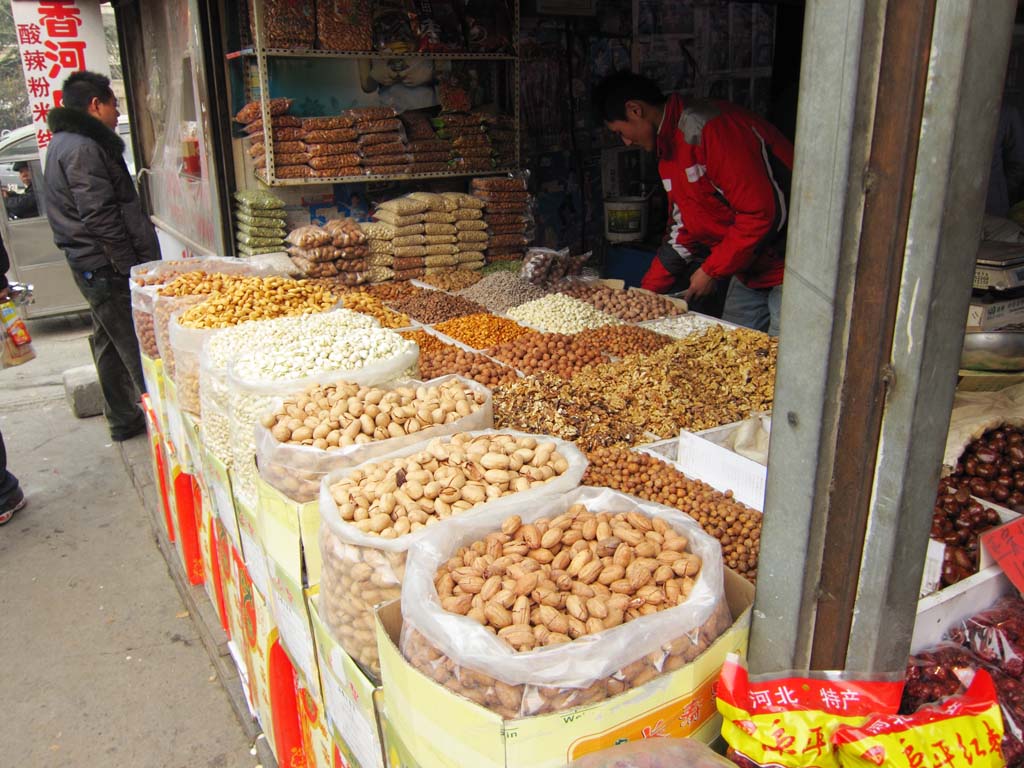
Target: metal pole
column 865, row 382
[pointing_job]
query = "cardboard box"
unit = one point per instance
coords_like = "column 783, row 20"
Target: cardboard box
column 938, row 612
column 989, row 313
column 679, row 704
column 159, row 465
column 217, row 485
column 207, row 548
column 317, row 739
column 354, row 704
column 153, row 375
column 288, row 532
column 250, row 531
column 175, row 423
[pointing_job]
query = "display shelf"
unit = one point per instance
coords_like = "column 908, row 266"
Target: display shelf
column 308, row 180
column 309, row 53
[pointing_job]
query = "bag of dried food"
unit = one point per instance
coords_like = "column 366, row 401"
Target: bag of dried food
column 391, row 28
column 295, row 462
column 254, row 110
column 344, row 25
column 364, row 549
column 594, row 629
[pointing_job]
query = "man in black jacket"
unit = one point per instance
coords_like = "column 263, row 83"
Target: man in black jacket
column 11, row 497
column 97, row 220
column 22, row 205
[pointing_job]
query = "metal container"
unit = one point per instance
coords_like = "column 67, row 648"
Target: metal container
column 1000, row 351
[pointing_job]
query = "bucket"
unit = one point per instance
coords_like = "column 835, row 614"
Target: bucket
column 625, row 221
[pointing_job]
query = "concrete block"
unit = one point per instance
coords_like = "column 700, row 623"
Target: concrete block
column 82, row 390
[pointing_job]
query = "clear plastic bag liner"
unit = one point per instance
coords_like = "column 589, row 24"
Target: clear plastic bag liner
column 581, row 662
column 296, row 470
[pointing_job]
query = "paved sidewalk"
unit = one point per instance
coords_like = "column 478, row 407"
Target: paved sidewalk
column 103, row 663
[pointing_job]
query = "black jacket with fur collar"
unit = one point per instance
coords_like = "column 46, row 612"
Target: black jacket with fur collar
column 91, row 203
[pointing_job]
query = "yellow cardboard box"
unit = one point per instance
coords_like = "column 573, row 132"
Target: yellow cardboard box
column 206, row 546
column 153, row 375
column 250, row 531
column 175, row 422
column 229, row 569
column 354, row 703
column 286, row 527
column 217, row 484
column 317, row 740
column 428, row 726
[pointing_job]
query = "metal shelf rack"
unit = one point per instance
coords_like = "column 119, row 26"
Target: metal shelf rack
column 262, row 53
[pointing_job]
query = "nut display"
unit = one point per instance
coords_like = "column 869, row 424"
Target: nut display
column 958, row 521
column 393, row 498
column 992, row 467
column 455, row 280
column 503, row 290
column 736, row 526
column 681, row 326
column 258, row 298
column 145, row 331
column 374, row 307
column 435, row 307
column 551, row 405
column 301, row 348
column 482, row 330
column 630, row 306
column 440, row 359
column 623, row 340
column 557, row 313
column 668, row 391
column 549, row 587
column 557, row 353
column 301, row 439
column 390, row 291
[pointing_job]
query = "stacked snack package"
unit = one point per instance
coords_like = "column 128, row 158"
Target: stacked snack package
column 470, row 229
column 286, row 24
column 259, row 223
column 336, row 250
column 330, row 146
column 380, row 140
column 502, row 134
column 439, row 232
column 470, row 145
column 430, row 154
column 344, row 25
column 286, row 133
column 507, row 213
column 396, row 242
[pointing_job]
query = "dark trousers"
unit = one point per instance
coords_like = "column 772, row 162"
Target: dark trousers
column 115, row 349
column 712, row 304
column 8, row 482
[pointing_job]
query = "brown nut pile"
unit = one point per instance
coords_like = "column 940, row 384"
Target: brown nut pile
column 562, row 354
column 550, row 405
column 374, row 307
column 481, row 331
column 669, row 390
column 145, row 331
column 392, row 498
column 199, row 282
column 390, row 291
column 435, row 307
column 167, row 274
column 455, row 280
column 258, row 298
column 554, row 581
column 447, row 478
column 630, row 306
column 623, row 340
column 472, row 365
column 333, row 416
column 992, row 467
column 736, row 526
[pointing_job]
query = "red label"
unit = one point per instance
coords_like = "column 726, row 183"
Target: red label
column 1006, row 545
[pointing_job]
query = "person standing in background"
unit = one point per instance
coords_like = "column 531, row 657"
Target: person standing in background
column 727, row 174
column 22, row 205
column 97, row 220
column 12, row 498
column 1007, row 174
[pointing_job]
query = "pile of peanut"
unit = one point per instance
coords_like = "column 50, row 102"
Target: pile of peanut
column 557, row 580
column 374, row 307
column 482, row 330
column 400, row 496
column 257, row 298
column 333, row 416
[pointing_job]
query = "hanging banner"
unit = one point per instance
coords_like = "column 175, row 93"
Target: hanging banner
column 56, row 39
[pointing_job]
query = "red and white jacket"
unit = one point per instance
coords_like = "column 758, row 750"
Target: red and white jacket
column 727, row 174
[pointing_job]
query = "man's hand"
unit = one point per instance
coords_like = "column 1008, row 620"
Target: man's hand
column 701, row 284
column 5, row 293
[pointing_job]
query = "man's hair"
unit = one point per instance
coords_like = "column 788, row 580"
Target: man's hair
column 609, row 97
column 82, row 87
column 19, row 166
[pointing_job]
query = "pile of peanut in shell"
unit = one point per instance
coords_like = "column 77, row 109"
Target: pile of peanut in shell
column 390, row 499
column 556, row 580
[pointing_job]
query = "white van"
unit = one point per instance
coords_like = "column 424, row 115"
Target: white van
column 29, row 240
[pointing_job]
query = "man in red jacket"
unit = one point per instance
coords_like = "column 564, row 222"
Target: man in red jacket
column 727, row 174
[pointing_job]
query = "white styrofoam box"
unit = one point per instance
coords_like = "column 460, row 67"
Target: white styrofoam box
column 938, row 612
column 1005, row 516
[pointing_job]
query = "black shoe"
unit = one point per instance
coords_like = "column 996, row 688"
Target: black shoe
column 18, row 501
column 128, row 434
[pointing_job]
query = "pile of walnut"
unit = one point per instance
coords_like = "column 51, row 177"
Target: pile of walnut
column 334, row 416
column 554, row 581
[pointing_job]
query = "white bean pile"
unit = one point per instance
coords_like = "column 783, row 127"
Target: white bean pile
column 681, row 326
column 558, row 313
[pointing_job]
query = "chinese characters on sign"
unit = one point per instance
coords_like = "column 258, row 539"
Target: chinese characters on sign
column 55, row 39
column 1006, row 545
